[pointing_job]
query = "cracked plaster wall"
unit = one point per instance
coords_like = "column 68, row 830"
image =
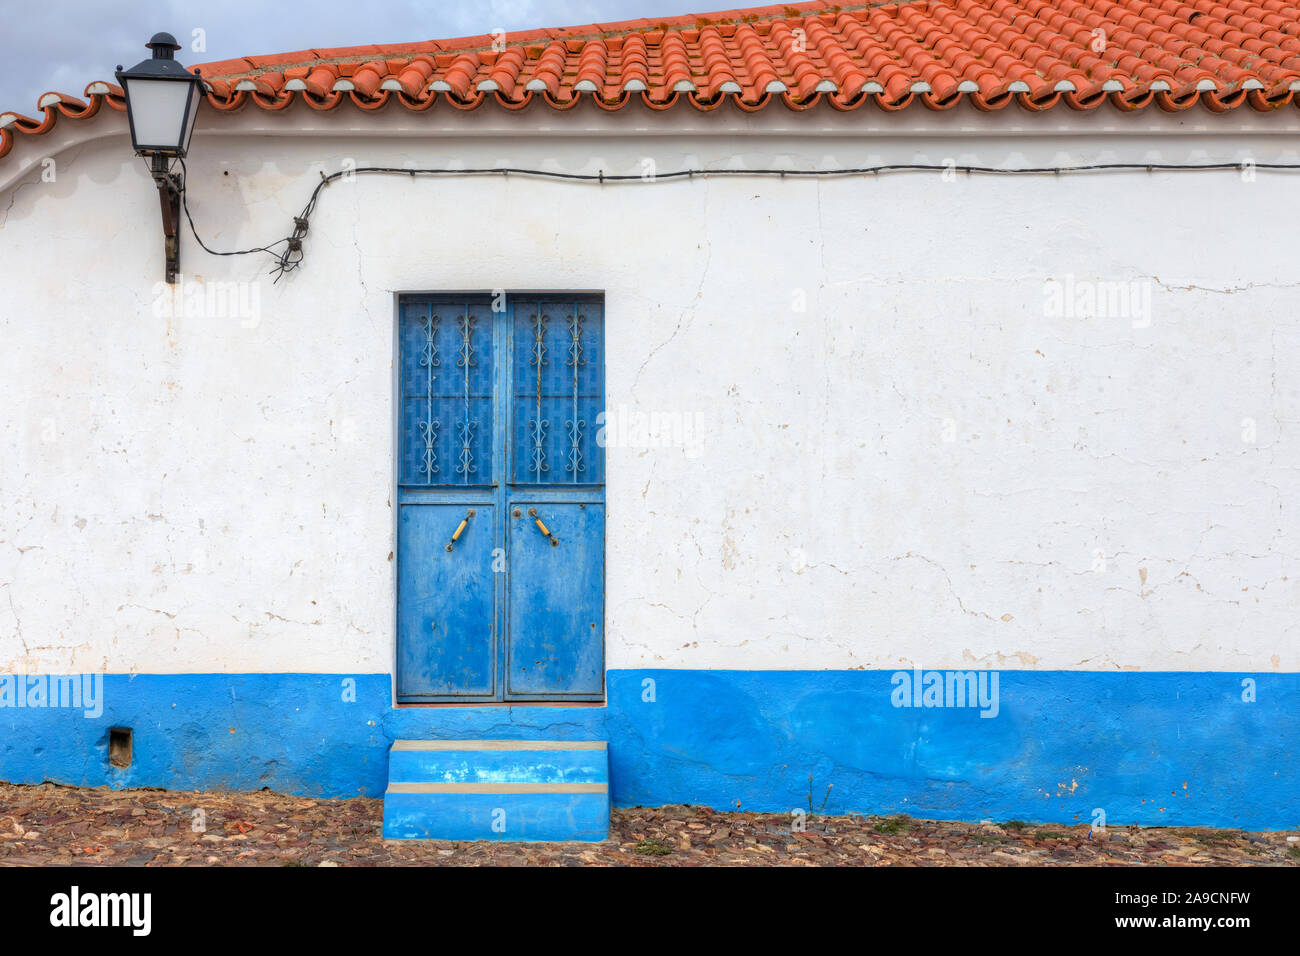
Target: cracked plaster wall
column 922, row 466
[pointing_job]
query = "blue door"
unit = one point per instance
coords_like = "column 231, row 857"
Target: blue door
column 501, row 499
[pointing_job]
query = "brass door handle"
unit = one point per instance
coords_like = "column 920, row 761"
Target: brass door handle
column 532, row 513
column 460, row 529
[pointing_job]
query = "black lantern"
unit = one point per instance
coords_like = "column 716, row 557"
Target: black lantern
column 162, row 100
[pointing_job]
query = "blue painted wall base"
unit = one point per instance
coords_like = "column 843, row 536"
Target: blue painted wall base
column 1147, row 748
column 316, row 735
column 1157, row 749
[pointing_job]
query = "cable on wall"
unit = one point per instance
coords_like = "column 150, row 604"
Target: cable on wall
column 290, row 257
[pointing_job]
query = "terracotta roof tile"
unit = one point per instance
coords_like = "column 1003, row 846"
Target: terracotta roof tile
column 935, row 53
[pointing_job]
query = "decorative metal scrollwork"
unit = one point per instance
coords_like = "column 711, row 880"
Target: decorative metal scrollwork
column 575, row 425
column 467, row 359
column 576, row 357
column 539, row 347
column 429, row 426
column 537, row 427
column 537, row 433
column 429, row 432
column 465, row 430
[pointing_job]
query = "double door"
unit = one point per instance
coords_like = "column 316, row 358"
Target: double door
column 501, row 498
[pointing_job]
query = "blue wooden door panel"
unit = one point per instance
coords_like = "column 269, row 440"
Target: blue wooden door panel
column 447, row 601
column 556, row 600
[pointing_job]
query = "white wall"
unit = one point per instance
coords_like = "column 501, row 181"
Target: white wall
column 213, row 492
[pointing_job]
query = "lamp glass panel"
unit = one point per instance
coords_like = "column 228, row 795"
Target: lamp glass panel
column 157, row 112
column 196, row 91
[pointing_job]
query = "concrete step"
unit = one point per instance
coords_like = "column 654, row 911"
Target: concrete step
column 506, row 790
column 498, row 761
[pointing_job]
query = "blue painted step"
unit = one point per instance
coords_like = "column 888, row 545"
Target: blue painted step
column 512, row 790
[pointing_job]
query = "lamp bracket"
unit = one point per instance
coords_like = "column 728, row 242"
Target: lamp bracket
column 170, row 186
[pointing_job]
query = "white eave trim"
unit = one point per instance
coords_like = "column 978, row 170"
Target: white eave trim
column 253, row 125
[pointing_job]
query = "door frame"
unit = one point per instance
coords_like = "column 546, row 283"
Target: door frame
column 503, row 492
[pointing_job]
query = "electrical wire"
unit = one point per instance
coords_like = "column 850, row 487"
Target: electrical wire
column 291, row 256
column 185, row 204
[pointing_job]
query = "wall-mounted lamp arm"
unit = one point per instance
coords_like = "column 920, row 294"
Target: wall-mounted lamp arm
column 170, row 187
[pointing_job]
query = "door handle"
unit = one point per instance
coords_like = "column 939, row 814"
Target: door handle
column 532, row 513
column 460, row 529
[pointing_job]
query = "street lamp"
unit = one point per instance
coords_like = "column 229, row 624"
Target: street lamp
column 162, row 99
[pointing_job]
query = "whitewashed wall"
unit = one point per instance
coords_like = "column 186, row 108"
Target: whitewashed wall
column 898, row 451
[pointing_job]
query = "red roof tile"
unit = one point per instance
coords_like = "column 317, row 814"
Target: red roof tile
column 933, row 53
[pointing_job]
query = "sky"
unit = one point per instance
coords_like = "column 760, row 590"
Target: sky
column 62, row 45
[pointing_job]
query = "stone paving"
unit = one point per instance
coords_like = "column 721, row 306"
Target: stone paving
column 51, row 824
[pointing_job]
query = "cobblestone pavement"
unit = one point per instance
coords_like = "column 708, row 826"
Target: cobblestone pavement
column 50, row 824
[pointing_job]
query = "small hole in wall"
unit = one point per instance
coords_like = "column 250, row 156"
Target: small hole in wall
column 119, row 746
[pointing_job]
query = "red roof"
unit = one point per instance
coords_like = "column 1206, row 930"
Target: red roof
column 1038, row 55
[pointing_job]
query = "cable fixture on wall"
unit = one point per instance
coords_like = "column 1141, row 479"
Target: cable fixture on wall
column 291, row 256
